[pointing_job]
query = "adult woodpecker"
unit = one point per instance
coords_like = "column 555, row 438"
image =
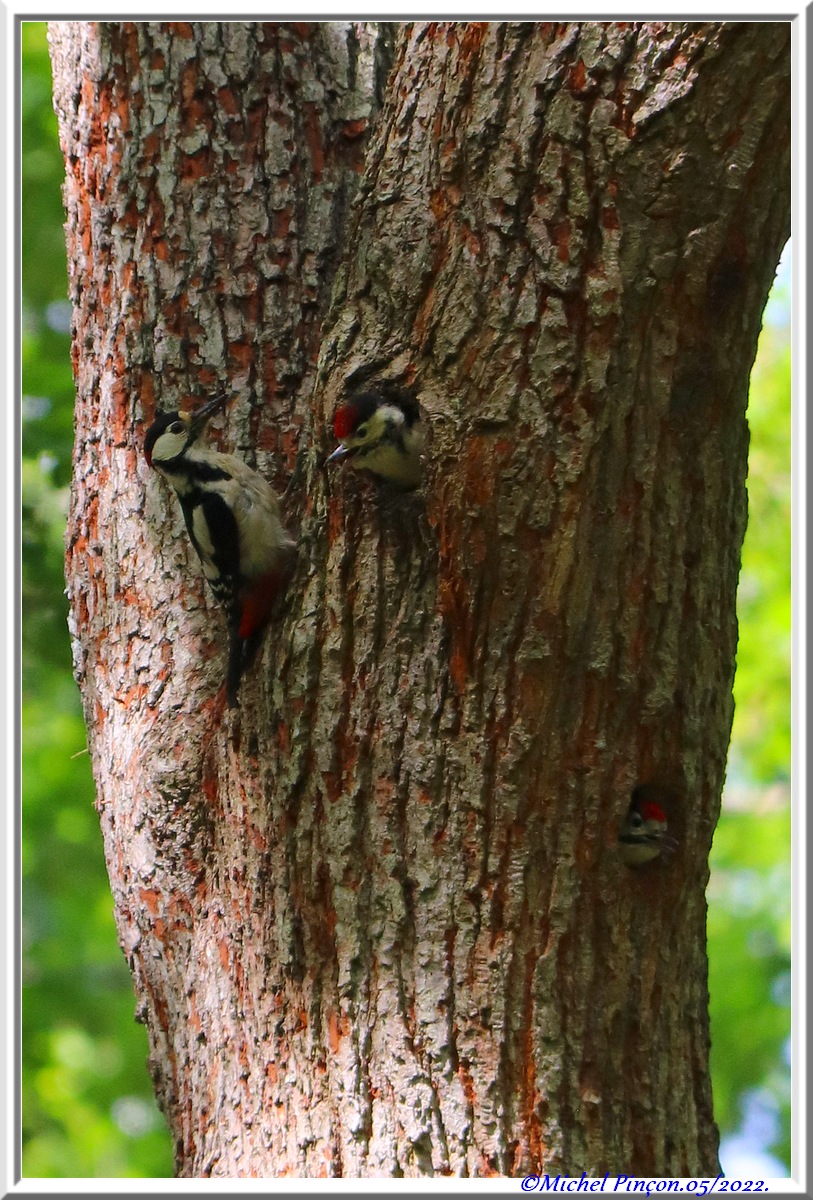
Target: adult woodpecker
column 643, row 835
column 232, row 518
column 379, row 430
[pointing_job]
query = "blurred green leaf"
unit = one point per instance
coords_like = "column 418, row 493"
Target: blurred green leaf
column 760, row 739
column 749, row 889
column 749, row 965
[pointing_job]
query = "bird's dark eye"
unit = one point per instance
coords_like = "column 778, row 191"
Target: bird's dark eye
column 361, row 431
column 636, row 820
column 176, row 427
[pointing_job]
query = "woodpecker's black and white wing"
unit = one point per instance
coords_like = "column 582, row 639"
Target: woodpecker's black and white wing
column 213, row 531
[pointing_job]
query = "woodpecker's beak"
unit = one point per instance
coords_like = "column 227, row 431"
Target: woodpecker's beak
column 339, row 453
column 200, row 416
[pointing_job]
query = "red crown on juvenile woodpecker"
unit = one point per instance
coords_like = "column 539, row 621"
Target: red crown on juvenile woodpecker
column 643, row 835
column 345, row 421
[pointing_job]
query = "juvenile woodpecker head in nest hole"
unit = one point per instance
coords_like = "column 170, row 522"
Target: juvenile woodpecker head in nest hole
column 379, row 430
column 643, row 836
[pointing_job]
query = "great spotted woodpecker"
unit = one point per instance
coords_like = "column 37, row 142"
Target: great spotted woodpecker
column 643, row 835
column 232, row 517
column 379, row 430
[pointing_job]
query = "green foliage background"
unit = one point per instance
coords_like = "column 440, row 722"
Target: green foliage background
column 88, row 1108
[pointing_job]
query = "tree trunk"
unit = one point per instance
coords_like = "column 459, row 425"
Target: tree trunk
column 377, row 920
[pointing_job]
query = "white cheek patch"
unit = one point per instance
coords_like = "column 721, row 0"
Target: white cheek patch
column 168, row 446
column 388, row 414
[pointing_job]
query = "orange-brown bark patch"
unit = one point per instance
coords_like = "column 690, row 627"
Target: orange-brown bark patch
column 227, row 101
column 283, row 739
column 208, row 786
column 258, row 839
column 486, row 1167
column 439, row 204
column 133, row 695
column 423, row 314
column 384, row 788
column 151, row 898
column 242, row 353
column 473, row 240
column 281, row 222
column 471, row 42
column 313, row 136
column 193, row 167
column 195, row 115
column 577, row 76
column 561, row 238
column 354, row 129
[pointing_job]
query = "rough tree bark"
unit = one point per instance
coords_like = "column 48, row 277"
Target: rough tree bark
column 377, row 922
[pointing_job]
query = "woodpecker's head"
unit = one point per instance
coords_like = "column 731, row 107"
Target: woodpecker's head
column 172, row 433
column 380, row 431
column 643, row 835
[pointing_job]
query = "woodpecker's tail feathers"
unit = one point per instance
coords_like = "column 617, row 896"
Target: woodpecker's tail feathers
column 242, row 652
column 234, row 670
